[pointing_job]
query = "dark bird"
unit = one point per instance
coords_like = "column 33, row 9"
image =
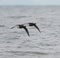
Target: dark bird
column 22, row 26
column 34, row 24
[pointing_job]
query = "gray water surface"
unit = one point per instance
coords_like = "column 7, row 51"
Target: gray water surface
column 15, row 43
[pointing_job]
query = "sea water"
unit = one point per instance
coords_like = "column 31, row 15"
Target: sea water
column 15, row 43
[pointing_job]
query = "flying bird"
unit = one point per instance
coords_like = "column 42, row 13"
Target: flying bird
column 22, row 26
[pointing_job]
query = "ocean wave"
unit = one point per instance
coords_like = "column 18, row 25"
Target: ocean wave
column 27, row 52
column 2, row 26
column 18, row 16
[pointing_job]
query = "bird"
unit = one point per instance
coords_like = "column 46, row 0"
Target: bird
column 34, row 24
column 22, row 26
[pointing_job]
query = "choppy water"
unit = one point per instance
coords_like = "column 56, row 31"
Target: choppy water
column 15, row 43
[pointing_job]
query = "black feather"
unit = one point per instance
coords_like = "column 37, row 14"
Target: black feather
column 34, row 24
column 22, row 26
column 26, row 30
column 37, row 27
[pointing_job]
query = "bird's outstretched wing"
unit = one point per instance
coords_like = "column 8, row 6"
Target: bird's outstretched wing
column 37, row 27
column 26, row 30
column 34, row 24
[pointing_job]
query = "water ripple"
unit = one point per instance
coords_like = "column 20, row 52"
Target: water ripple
column 27, row 52
column 19, row 16
column 2, row 26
